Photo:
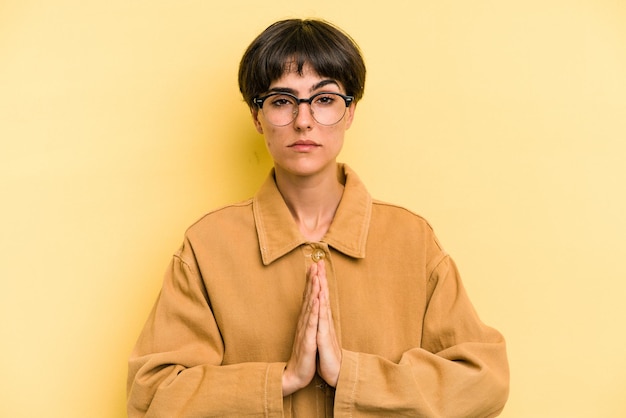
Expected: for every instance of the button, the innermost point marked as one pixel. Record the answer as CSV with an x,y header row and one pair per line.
x,y
317,255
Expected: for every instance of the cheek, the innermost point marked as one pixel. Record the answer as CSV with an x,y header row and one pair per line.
x,y
270,136
337,137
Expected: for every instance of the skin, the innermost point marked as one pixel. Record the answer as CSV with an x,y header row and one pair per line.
x,y
305,154
316,347
305,157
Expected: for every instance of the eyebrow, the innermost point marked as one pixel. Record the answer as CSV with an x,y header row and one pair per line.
x,y
317,86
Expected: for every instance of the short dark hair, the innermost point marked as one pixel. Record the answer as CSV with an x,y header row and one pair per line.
x,y
326,48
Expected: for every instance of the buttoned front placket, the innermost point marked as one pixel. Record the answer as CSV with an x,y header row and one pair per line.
x,y
314,252
279,236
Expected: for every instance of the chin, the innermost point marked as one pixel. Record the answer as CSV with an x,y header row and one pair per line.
x,y
305,168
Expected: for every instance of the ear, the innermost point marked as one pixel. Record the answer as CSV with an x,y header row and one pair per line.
x,y
255,119
350,115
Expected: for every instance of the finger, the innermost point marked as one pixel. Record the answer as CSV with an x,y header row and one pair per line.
x,y
321,267
310,274
307,321
321,274
326,337
329,349
325,314
305,344
301,366
324,291
307,295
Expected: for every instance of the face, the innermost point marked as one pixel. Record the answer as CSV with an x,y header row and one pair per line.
x,y
304,147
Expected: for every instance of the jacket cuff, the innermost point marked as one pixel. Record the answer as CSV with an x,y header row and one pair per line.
x,y
274,389
345,392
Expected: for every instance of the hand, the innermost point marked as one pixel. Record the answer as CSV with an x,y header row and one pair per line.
x,y
301,366
328,346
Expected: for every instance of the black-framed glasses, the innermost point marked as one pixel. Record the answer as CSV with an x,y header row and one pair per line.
x,y
280,109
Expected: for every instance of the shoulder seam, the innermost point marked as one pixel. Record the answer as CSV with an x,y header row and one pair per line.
x,y
418,216
393,205
243,203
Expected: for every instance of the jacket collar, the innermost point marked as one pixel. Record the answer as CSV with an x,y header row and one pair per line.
x,y
278,233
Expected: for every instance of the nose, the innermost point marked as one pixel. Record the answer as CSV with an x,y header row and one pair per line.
x,y
304,117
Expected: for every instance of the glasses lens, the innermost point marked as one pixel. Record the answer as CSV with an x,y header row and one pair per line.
x,y
328,108
280,109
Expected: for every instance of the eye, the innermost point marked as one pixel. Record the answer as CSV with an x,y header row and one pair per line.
x,y
325,99
281,101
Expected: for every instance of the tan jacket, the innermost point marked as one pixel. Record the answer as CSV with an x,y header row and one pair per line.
x,y
221,331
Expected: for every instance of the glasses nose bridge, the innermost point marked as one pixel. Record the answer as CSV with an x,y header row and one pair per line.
x,y
299,102
308,100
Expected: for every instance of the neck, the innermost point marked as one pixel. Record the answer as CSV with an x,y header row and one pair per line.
x,y
312,200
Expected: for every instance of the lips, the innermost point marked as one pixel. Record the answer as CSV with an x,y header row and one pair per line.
x,y
304,146
304,143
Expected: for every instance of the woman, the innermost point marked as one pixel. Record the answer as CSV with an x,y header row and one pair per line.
x,y
312,299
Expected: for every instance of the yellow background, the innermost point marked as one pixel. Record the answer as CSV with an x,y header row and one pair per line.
x,y
502,122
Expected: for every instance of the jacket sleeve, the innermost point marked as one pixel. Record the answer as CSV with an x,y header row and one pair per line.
x,y
175,368
460,370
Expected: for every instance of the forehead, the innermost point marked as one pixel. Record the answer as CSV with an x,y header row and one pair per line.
x,y
306,80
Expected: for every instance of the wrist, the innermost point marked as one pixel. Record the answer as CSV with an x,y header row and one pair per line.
x,y
289,383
